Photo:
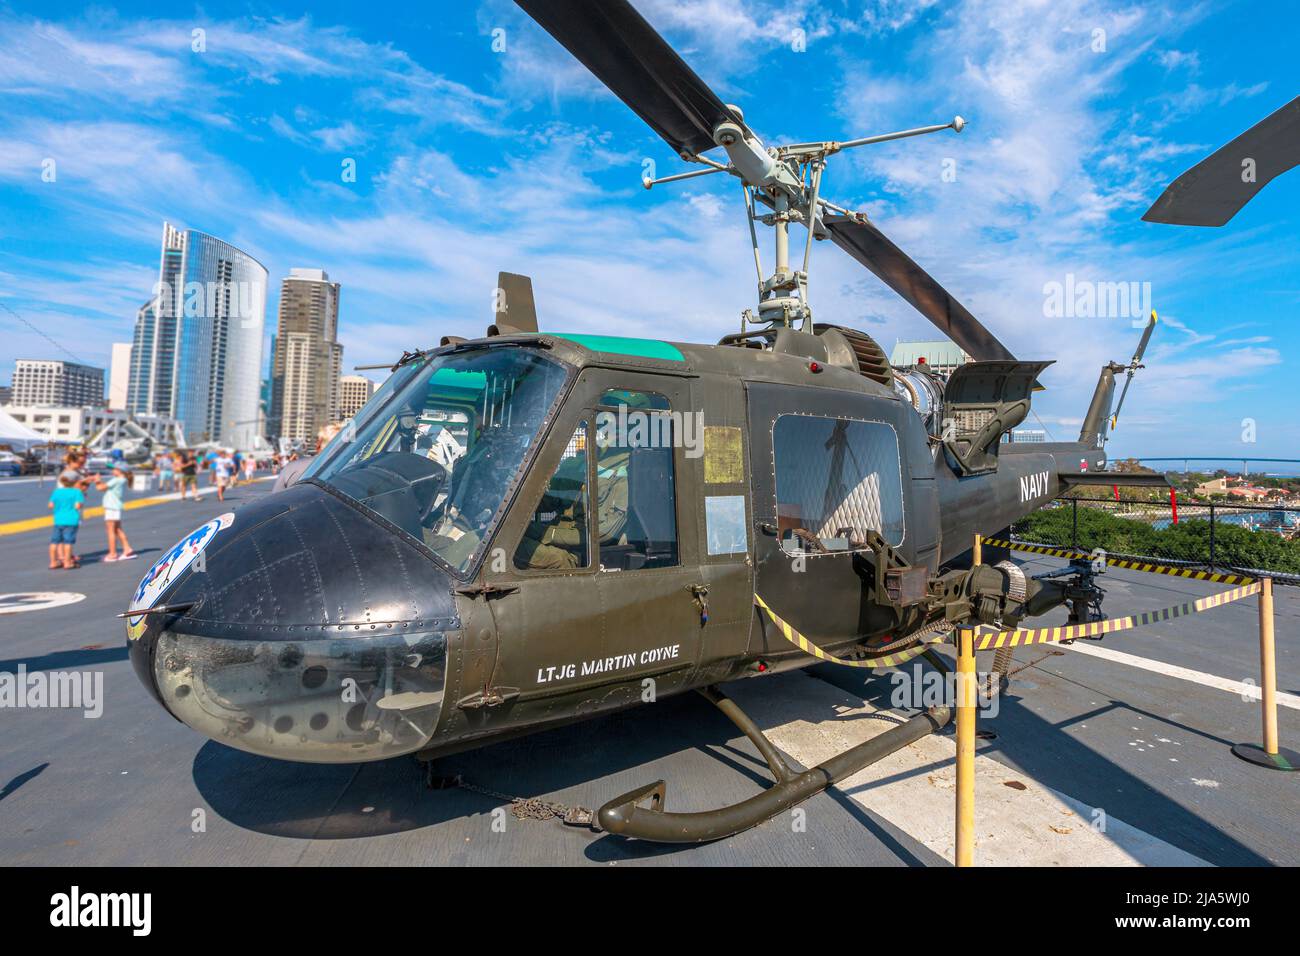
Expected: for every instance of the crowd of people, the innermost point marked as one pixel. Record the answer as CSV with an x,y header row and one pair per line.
x,y
176,472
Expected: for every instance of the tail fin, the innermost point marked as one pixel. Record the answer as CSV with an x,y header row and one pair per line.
x,y
1097,421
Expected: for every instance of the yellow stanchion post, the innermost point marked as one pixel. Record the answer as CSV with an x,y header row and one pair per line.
x,y
977,556
964,852
1268,665
1270,755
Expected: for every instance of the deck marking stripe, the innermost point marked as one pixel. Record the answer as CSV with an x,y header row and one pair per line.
x,y
46,521
1018,823
1240,688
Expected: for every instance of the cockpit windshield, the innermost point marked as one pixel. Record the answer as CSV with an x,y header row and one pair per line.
x,y
438,458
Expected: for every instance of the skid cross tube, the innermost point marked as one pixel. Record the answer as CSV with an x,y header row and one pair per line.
x,y
626,816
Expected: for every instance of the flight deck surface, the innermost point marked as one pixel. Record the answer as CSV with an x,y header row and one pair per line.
x,y
1137,726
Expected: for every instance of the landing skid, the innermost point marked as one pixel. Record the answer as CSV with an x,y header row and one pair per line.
x,y
627,817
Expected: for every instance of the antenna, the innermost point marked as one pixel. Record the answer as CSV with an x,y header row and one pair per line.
x,y
515,309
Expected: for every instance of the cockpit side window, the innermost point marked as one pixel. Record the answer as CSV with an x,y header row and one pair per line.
x,y
616,398
635,497
557,537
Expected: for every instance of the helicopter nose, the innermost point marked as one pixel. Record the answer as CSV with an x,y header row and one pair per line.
x,y
298,628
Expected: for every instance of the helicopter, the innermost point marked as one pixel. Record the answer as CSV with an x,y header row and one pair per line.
x,y
123,441
534,528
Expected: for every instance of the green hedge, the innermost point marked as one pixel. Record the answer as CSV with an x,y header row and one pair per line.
x,y
1189,540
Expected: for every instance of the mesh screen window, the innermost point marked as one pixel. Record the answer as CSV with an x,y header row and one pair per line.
x,y
837,475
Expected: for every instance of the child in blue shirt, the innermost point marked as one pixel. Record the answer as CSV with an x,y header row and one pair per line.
x,y
65,502
114,491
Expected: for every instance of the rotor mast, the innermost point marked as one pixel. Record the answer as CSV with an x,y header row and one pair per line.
x,y
787,180
639,66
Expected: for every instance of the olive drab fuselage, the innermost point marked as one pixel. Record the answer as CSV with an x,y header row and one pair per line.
x,y
519,647
527,640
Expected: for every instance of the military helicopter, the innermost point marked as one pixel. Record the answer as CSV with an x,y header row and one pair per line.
x,y
533,528
122,441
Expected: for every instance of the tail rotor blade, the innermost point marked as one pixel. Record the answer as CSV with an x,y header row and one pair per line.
x,y
871,247
1146,337
1114,416
1134,365
625,53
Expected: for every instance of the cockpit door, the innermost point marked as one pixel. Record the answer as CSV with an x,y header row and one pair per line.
x,y
594,551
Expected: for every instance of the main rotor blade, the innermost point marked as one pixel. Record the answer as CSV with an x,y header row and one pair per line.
x,y
1215,189
871,247
625,53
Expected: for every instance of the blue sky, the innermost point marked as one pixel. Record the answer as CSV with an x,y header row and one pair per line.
x,y
469,161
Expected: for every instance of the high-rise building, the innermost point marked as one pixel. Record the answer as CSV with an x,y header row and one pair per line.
x,y
308,357
54,382
197,352
140,384
354,391
119,375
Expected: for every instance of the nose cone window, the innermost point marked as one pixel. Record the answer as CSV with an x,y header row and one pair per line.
x,y
361,697
439,458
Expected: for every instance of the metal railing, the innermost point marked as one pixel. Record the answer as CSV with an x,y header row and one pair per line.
x,y
1253,539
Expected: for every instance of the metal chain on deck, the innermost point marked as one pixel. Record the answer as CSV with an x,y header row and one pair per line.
x,y
531,808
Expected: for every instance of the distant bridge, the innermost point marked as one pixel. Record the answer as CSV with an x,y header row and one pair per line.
x,y
1244,460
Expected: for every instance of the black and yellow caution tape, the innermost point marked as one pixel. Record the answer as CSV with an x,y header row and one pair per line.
x,y
1020,637
808,647
991,640
1193,573
1034,548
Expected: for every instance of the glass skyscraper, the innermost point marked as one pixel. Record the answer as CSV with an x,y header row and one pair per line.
x,y
139,400
197,353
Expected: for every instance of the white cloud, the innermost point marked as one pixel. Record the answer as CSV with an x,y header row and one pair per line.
x,y
45,60
153,64
1179,59
1046,170
727,42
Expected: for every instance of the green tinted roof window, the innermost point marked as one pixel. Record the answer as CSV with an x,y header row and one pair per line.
x,y
639,348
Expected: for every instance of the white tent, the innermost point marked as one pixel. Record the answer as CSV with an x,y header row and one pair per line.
x,y
17,435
